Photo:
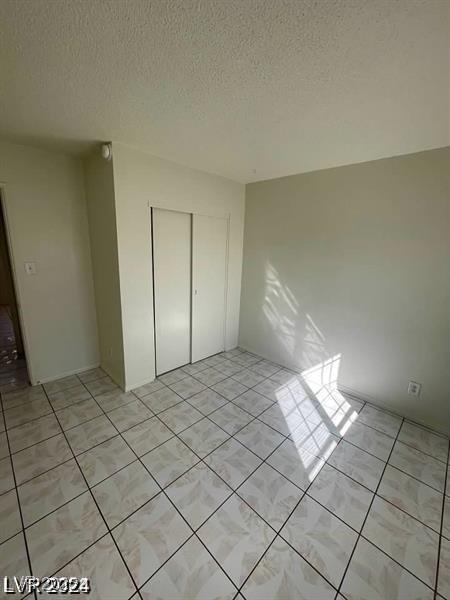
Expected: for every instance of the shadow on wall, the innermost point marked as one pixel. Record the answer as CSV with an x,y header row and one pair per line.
x,y
314,410
300,338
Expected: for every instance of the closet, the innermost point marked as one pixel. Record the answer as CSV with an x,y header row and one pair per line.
x,y
189,286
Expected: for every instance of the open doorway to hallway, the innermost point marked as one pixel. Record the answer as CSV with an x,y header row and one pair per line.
x,y
13,368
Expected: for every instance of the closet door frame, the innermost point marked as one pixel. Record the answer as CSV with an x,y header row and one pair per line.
x,y
183,209
225,291
154,286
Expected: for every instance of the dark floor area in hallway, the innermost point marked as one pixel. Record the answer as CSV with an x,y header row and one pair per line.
x,y
13,368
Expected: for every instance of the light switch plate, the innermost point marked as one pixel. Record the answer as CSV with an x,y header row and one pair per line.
x,y
414,388
30,268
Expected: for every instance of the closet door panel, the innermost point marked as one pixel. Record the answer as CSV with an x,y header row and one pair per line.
x,y
172,288
209,275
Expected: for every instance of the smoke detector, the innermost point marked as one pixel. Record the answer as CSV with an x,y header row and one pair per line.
x,y
107,151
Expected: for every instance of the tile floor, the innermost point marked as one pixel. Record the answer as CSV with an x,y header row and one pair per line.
x,y
229,478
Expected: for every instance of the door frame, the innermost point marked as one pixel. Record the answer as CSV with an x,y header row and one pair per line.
x,y
227,248
17,293
190,214
213,213
218,214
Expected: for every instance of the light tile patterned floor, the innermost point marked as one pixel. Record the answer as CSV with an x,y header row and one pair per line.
x,y
228,478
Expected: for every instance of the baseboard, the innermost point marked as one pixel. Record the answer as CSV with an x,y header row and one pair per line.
x,y
65,374
113,377
365,398
291,367
384,406
129,388
359,396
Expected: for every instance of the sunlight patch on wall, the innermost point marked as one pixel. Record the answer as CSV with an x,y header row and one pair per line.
x,y
295,329
314,411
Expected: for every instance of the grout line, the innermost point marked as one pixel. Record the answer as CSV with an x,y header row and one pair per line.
x,y
36,443
89,490
33,420
194,534
28,402
436,585
278,535
422,452
49,513
382,497
234,492
162,490
49,396
383,409
163,564
187,400
394,561
64,389
19,506
379,496
402,441
200,460
43,472
368,511
215,559
102,414
417,479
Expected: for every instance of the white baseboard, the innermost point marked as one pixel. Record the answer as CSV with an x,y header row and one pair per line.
x,y
128,388
113,377
65,374
77,372
360,396
291,367
385,406
365,398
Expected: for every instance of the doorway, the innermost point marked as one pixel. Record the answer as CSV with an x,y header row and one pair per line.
x,y
13,368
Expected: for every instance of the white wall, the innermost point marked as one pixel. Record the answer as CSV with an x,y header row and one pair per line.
x,y
99,184
141,180
46,212
355,261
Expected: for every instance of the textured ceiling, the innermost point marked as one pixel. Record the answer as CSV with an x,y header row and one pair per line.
x,y
249,89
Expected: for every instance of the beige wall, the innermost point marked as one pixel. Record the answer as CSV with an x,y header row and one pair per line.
x,y
355,261
140,181
46,212
99,184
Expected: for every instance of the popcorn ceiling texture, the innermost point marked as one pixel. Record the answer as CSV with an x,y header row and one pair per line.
x,y
247,89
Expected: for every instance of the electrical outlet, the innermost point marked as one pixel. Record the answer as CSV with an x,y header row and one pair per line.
x,y
414,388
30,268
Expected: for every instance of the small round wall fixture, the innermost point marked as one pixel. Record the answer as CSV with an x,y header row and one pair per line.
x,y
107,151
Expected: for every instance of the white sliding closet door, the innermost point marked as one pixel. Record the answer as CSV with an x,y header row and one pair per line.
x,y
209,271
172,288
